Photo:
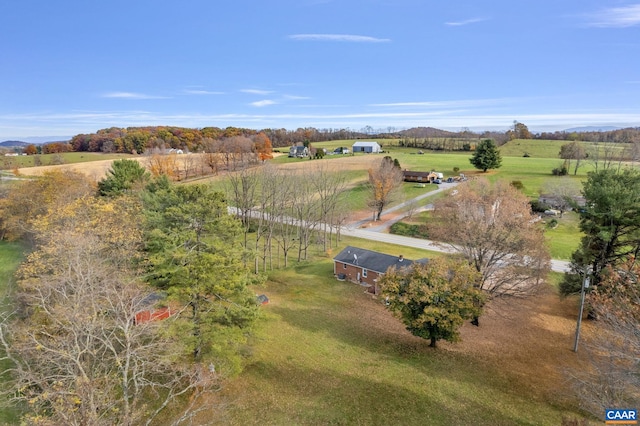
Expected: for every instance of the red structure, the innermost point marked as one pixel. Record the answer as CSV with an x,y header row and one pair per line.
x,y
152,315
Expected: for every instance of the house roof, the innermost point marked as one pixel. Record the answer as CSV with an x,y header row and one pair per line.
x,y
366,143
371,260
414,173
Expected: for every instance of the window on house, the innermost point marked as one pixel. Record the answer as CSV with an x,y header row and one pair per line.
x,y
364,273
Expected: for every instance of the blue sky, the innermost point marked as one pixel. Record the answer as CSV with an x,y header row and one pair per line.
x,y
70,66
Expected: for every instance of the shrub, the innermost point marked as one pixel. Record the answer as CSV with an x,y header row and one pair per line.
x,y
456,170
560,171
517,185
408,230
538,207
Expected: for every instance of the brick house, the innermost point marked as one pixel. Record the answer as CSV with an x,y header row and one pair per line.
x,y
364,267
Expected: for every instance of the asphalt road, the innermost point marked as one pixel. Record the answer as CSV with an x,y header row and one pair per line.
x,y
377,233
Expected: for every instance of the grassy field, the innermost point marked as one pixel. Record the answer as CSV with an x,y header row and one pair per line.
x,y
66,157
534,172
327,353
11,255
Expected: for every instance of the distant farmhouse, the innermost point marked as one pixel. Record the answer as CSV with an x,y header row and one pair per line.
x,y
364,146
365,266
298,152
414,176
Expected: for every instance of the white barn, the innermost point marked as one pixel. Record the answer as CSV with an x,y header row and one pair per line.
x,y
366,146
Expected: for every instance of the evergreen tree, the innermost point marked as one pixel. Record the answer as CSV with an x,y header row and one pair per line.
x,y
194,253
610,221
123,176
487,156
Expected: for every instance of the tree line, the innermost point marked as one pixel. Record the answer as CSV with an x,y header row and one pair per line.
x,y
76,346
141,139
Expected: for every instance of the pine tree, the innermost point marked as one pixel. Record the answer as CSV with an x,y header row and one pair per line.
x,y
486,156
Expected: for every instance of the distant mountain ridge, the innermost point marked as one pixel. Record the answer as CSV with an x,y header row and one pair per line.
x,y
592,129
14,144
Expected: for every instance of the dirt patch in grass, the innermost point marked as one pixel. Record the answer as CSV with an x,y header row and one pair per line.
x,y
530,340
95,170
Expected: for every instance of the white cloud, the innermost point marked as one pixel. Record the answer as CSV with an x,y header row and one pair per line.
x,y
295,97
339,37
256,91
202,92
131,95
617,17
263,103
75,122
446,104
464,22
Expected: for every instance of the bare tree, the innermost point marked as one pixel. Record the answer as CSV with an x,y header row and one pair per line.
x,y
212,157
328,186
284,213
384,180
237,152
610,377
604,154
242,190
77,356
564,191
493,227
573,151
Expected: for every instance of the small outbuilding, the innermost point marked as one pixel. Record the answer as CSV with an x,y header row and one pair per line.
x,y
366,146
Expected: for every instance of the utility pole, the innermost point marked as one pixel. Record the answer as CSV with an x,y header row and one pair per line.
x,y
585,286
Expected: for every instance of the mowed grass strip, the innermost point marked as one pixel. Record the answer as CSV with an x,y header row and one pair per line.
x,y
327,353
11,254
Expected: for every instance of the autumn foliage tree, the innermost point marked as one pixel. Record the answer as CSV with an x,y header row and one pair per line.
x,y
75,355
263,146
493,227
29,199
434,300
384,180
30,150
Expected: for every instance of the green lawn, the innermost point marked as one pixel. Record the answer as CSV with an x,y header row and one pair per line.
x,y
564,239
327,353
11,254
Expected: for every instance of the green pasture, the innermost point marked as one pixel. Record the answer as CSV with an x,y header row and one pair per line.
x,y
63,158
322,356
11,254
